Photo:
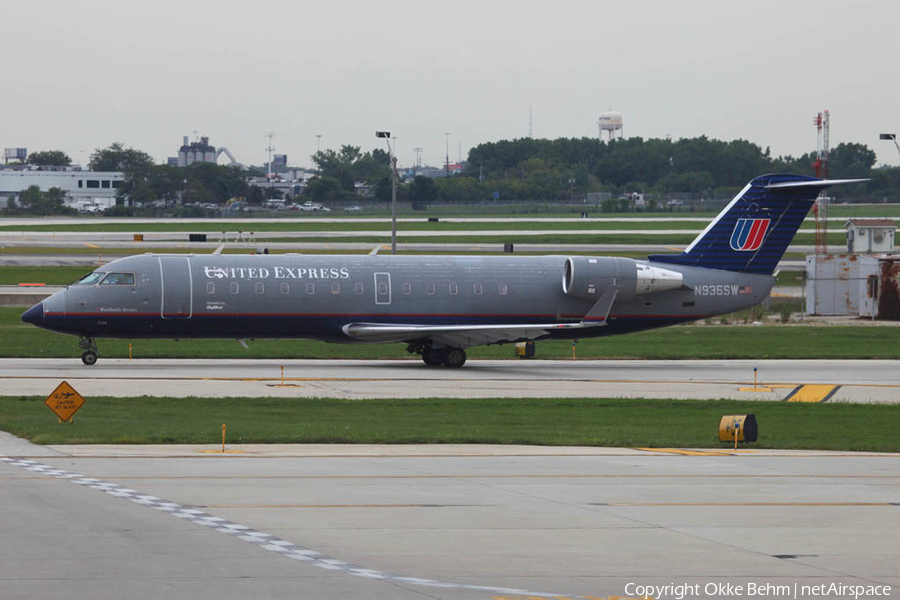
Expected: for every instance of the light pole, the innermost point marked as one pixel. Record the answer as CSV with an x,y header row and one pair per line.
x,y
387,138
447,160
318,142
892,137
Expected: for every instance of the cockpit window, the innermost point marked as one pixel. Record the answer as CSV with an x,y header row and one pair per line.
x,y
118,279
91,278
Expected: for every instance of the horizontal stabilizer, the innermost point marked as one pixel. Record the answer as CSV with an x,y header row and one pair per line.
x,y
816,183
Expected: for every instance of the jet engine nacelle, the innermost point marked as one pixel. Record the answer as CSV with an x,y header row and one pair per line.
x,y
588,277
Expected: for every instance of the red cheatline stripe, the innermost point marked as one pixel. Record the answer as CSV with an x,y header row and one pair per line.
x,y
756,234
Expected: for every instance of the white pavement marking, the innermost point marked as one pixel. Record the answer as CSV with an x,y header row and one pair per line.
x,y
263,540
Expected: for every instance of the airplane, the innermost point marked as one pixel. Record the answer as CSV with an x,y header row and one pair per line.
x,y
439,305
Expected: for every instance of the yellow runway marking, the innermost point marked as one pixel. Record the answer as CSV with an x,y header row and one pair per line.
x,y
755,389
684,452
220,452
91,245
444,379
813,393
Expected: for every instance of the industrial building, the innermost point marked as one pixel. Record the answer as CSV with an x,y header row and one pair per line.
x,y
200,151
96,187
870,235
863,282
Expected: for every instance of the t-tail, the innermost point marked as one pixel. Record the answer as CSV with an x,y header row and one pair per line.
x,y
752,233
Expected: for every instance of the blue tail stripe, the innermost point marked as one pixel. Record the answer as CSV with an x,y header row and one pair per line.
x,y
721,245
742,233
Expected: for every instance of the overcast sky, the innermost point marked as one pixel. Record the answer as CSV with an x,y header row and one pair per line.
x,y
81,75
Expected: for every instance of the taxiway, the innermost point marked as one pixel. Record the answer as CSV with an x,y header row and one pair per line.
x,y
833,380
480,522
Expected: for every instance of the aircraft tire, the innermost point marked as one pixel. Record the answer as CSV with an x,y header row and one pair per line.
x,y
433,358
454,358
89,358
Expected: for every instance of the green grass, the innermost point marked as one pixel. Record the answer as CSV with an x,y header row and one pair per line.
x,y
18,339
48,275
552,421
790,278
680,240
217,227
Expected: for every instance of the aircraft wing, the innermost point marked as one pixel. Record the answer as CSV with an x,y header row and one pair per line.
x,y
463,336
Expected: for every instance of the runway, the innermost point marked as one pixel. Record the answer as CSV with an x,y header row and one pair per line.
x,y
479,522
777,380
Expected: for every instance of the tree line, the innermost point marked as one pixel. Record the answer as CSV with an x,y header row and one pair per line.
x,y
508,170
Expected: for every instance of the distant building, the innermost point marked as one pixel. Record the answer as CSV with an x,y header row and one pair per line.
x,y
870,235
95,186
195,152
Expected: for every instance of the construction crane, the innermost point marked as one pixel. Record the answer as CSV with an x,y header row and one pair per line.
x,y
820,165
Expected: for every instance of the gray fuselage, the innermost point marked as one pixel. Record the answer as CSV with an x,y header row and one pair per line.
x,y
315,296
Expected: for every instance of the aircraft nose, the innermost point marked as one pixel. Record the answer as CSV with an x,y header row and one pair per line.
x,y
35,314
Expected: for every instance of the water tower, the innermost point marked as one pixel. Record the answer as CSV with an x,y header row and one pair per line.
x,y
611,122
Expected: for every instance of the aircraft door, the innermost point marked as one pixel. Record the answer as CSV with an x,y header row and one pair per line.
x,y
382,288
177,289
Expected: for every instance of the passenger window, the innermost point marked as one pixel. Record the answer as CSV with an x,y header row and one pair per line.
x,y
335,288
502,289
429,289
210,287
260,288
477,289
285,287
407,288
310,288
234,287
453,289
360,288
118,279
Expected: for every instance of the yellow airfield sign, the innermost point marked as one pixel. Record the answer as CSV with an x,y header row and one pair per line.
x,y
64,401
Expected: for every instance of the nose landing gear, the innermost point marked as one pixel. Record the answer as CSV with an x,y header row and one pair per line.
x,y
89,357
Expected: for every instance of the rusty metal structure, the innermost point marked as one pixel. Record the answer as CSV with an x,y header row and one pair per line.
x,y
864,285
820,166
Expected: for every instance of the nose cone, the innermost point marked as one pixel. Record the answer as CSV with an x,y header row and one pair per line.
x,y
35,314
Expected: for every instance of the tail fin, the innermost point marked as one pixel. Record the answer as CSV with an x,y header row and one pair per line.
x,y
754,230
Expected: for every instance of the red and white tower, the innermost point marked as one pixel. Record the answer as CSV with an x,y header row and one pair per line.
x,y
820,165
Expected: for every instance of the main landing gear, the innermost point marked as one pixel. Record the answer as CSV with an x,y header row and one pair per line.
x,y
90,350
435,357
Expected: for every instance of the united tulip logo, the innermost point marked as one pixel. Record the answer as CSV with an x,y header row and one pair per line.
x,y
749,234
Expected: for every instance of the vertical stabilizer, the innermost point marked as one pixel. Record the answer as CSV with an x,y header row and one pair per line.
x,y
752,233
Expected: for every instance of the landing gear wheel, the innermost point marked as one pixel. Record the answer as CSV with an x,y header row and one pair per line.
x,y
454,357
87,344
432,357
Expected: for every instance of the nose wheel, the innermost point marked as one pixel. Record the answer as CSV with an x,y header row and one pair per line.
x,y
89,357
